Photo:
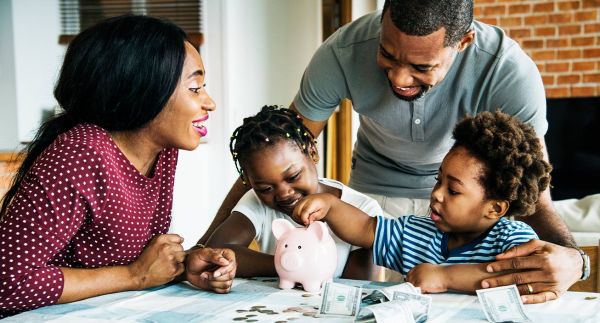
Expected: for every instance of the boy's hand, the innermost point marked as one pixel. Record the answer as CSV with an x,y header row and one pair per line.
x,y
313,208
431,278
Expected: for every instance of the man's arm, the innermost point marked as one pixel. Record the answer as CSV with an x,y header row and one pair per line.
x,y
316,127
545,221
233,197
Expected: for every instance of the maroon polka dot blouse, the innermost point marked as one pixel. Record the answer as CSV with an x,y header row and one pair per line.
x,y
81,205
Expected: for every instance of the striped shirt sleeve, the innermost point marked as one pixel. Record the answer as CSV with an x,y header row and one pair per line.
x,y
521,233
387,247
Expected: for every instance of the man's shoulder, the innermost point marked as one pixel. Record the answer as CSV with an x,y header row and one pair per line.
x,y
492,41
361,30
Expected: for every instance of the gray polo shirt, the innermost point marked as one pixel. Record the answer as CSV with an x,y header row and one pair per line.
x,y
400,145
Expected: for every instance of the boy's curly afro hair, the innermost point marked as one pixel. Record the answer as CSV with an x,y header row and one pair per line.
x,y
514,166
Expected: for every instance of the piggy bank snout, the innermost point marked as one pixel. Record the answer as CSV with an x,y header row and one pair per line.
x,y
291,261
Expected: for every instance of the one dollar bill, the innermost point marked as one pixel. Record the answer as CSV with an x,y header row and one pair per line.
x,y
502,304
340,300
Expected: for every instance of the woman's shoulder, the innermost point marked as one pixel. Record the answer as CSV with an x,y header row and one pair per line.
x,y
82,137
84,144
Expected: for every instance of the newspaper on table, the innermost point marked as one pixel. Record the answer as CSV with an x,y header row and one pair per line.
x,y
502,304
398,303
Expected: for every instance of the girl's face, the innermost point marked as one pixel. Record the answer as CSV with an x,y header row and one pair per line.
x,y
181,123
281,175
458,202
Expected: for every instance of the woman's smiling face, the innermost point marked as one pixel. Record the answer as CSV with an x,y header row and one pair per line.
x,y
181,123
281,175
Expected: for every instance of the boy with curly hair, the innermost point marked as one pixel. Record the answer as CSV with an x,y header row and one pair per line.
x,y
494,169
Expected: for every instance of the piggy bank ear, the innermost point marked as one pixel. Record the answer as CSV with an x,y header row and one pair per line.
x,y
281,226
320,229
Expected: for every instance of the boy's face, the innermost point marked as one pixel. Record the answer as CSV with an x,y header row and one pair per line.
x,y
458,201
281,175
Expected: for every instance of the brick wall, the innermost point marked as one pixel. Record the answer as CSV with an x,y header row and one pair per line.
x,y
562,37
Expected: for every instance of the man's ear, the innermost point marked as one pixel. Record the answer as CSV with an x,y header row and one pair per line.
x,y
313,152
497,209
467,39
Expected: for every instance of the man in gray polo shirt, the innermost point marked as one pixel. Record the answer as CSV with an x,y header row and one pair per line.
x,y
411,76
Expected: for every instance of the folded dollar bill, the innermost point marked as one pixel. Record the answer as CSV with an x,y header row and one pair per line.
x,y
502,304
419,304
388,312
398,303
340,300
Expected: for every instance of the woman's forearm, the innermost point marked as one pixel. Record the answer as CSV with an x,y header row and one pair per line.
x,y
85,283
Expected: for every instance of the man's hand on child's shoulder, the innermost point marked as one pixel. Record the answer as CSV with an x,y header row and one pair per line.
x,y
541,270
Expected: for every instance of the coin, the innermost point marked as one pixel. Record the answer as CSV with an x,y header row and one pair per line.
x,y
306,295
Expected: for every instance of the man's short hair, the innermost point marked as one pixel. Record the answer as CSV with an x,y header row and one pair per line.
x,y
423,17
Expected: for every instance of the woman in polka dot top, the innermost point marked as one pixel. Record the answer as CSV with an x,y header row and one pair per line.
x,y
90,207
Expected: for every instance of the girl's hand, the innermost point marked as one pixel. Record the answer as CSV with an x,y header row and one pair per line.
x,y
160,262
313,208
211,269
431,278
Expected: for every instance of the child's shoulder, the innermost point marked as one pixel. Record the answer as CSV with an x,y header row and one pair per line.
x,y
508,231
512,225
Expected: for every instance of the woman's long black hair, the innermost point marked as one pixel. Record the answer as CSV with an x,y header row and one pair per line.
x,y
118,74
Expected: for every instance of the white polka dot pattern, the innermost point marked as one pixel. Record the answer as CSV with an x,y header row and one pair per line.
x,y
81,205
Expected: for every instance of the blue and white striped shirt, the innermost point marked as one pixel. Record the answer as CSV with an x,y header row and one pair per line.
x,y
400,244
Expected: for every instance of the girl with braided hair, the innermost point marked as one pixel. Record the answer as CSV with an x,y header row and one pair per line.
x,y
275,154
495,169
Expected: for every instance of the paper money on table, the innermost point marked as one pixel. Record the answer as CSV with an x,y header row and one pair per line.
x,y
340,300
388,312
417,303
502,304
404,287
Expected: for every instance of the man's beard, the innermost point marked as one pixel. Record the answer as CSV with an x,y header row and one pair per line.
x,y
424,90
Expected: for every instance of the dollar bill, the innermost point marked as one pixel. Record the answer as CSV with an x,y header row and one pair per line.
x,y
388,312
404,287
417,303
340,300
502,304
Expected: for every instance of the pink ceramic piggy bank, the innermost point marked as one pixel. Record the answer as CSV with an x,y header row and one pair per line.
x,y
304,255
